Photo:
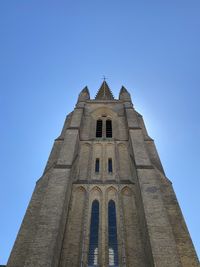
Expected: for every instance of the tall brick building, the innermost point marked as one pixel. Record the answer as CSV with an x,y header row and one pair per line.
x,y
104,199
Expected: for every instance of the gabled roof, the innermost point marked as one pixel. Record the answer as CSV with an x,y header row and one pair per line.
x,y
104,92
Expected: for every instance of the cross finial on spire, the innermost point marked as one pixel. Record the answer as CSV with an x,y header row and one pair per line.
x,y
104,78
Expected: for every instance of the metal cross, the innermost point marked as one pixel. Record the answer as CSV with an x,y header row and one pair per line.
x,y
104,78
104,89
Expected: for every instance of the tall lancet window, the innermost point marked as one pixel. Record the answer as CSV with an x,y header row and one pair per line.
x,y
97,165
109,128
99,128
112,235
110,168
94,235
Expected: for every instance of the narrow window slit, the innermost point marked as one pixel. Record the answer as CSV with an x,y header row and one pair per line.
x,y
110,167
97,165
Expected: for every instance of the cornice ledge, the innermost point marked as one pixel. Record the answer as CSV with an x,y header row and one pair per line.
x,y
144,167
103,182
59,139
72,128
149,139
62,166
134,128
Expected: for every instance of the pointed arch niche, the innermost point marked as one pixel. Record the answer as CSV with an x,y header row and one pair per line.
x,y
73,230
133,246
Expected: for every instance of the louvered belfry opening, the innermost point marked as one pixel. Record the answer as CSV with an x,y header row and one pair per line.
x,y
109,128
99,128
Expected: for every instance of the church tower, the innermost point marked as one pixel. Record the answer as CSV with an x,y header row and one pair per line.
x,y
103,199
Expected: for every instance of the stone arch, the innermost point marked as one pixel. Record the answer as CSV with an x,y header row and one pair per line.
x,y
111,188
87,143
126,191
80,189
122,145
95,193
96,188
133,244
111,193
103,112
109,117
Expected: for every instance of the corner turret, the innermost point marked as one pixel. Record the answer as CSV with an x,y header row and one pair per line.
x,y
124,94
84,95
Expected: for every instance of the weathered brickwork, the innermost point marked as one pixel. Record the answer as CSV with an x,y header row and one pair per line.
x,y
144,228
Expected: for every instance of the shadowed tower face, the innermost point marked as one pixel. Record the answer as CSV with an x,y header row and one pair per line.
x,y
103,199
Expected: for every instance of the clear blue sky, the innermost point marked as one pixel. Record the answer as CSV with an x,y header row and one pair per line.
x,y
49,50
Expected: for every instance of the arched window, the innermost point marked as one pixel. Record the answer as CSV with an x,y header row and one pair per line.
x,y
97,165
110,168
94,235
99,128
112,235
109,128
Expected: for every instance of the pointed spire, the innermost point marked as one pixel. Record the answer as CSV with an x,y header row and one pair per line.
x,y
104,92
84,95
124,94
